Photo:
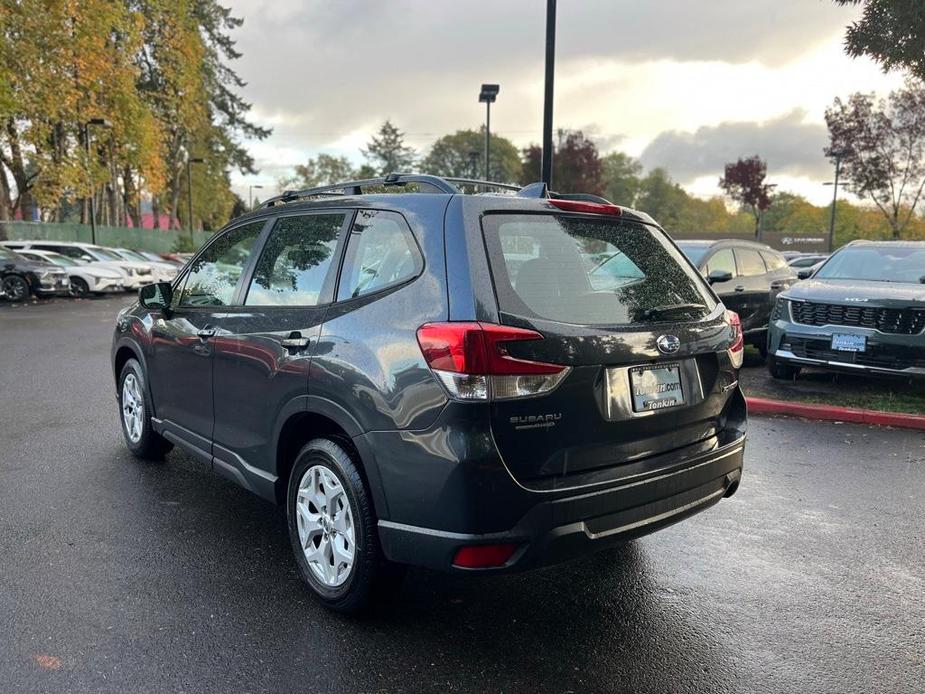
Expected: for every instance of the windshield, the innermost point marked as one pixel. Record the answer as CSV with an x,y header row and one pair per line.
x,y
132,255
876,264
104,254
694,252
7,254
590,271
59,259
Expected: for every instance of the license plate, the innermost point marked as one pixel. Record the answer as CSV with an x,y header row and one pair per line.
x,y
656,387
849,343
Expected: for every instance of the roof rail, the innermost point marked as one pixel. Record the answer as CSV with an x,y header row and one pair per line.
x,y
439,185
483,184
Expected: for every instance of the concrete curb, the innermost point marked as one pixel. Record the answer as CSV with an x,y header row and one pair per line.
x,y
830,413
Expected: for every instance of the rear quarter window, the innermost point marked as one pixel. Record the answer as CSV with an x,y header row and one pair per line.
x,y
590,271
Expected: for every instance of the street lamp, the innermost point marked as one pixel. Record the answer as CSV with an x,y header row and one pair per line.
x,y
102,123
250,195
487,96
547,99
770,188
189,192
838,154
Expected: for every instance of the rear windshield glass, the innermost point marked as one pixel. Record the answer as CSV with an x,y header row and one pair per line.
x,y
590,271
877,264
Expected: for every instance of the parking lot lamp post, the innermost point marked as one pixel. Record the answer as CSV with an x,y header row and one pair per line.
x,y
250,196
487,96
102,123
546,175
189,192
838,154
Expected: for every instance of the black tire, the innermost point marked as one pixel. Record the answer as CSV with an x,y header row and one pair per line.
x,y
149,445
16,288
371,574
79,288
784,372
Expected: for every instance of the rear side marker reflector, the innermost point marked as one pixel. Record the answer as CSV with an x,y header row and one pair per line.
x,y
484,556
472,362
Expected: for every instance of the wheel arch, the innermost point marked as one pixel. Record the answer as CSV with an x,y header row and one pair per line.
x,y
313,417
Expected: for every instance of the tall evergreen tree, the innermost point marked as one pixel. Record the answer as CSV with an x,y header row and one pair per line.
x,y
387,152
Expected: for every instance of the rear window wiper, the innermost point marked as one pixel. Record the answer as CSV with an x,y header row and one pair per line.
x,y
656,311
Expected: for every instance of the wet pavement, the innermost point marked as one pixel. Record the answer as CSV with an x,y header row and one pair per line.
x,y
117,575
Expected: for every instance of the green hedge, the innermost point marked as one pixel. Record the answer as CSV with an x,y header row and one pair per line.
x,y
154,240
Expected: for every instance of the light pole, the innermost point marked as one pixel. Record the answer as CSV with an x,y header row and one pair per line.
x,y
770,187
102,123
547,100
487,96
189,192
250,196
838,154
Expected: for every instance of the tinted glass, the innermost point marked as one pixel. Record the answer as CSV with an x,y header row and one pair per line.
x,y
295,261
749,262
879,264
69,251
774,261
105,254
590,271
723,261
214,275
381,252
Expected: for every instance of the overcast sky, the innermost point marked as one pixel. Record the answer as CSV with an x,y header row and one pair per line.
x,y
684,84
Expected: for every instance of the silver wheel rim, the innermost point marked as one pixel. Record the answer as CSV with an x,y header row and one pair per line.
x,y
325,523
133,408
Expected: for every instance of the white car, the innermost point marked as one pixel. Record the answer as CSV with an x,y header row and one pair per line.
x,y
137,274
86,278
163,270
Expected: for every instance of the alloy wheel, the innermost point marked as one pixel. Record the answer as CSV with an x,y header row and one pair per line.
x,y
325,524
16,288
133,408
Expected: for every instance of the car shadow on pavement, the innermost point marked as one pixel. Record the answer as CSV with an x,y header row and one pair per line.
x,y
602,617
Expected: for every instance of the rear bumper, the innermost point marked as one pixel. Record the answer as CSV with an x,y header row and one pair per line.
x,y
564,527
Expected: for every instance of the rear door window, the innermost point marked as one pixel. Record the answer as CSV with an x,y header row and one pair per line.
x,y
295,261
590,271
774,261
381,253
750,263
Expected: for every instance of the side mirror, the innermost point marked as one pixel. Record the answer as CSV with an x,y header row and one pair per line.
x,y
719,276
805,273
157,296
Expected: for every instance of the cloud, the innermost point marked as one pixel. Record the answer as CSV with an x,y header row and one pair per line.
x,y
790,146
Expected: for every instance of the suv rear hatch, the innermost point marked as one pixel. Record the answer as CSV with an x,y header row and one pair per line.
x,y
644,340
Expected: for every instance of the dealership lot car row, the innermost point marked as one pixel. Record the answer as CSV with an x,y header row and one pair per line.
x,y
48,268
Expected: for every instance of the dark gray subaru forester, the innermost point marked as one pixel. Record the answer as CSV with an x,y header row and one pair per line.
x,y
475,382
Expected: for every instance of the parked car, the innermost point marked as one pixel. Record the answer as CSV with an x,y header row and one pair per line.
x,y
21,277
86,278
805,260
372,363
136,274
157,258
862,312
747,276
163,270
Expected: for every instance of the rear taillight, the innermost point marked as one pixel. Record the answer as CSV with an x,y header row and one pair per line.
x,y
737,340
472,361
586,207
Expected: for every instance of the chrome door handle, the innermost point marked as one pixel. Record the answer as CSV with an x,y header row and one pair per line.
x,y
740,288
206,333
295,341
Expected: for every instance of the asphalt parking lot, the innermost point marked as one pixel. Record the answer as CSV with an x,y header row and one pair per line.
x,y
116,575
